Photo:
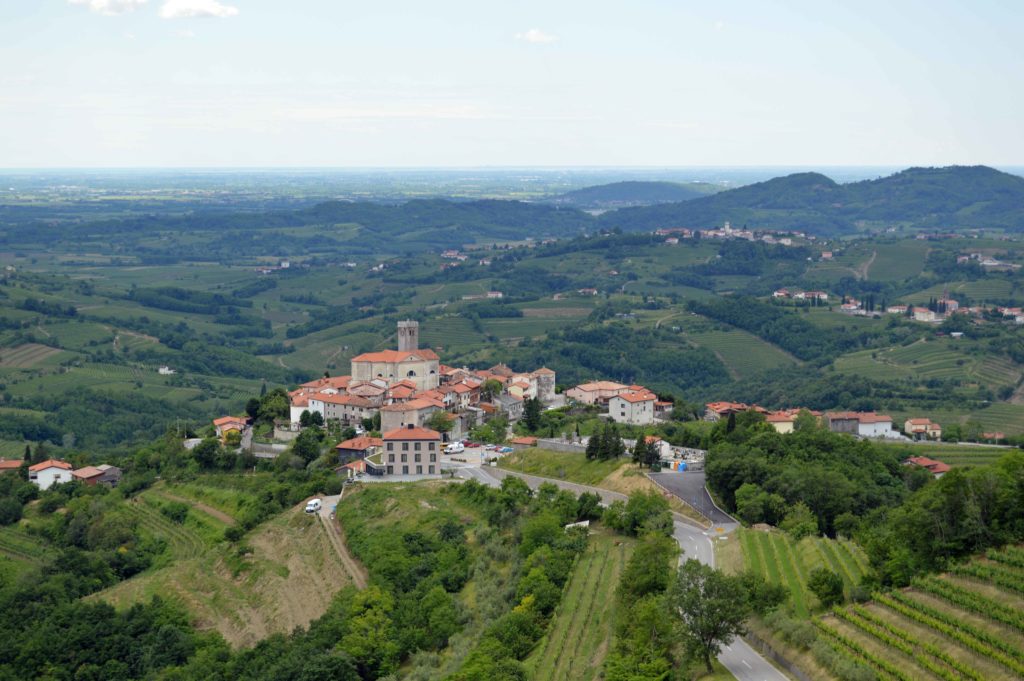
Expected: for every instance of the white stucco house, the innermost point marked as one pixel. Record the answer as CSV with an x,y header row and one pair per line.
x,y
635,407
48,473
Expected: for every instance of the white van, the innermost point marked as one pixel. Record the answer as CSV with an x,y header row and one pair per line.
x,y
313,506
455,448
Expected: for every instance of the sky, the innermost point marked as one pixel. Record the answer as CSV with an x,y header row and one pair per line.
x,y
452,83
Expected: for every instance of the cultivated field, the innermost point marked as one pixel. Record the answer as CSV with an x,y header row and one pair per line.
x,y
27,356
953,454
780,560
964,625
581,630
932,359
897,261
742,353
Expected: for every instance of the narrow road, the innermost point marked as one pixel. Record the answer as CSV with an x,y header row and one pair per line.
x,y
337,538
742,661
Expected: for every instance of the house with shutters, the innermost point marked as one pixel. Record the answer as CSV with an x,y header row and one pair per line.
x,y
409,452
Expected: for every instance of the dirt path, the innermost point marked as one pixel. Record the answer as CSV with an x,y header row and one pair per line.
x,y
281,362
208,510
657,324
337,538
862,270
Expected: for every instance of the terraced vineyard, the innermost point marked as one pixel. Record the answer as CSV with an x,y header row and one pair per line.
x,y
934,359
743,353
981,291
953,454
965,625
780,560
581,630
19,545
898,261
28,356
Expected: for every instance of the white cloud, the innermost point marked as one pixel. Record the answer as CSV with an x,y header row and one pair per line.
x,y
186,34
110,7
185,9
537,36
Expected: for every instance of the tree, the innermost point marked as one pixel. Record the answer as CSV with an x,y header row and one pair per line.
x,y
252,406
711,607
827,586
28,452
233,438
490,388
304,418
640,451
593,450
531,414
307,445
439,421
800,522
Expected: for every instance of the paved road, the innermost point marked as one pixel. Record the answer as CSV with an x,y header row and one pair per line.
x,y
739,658
689,487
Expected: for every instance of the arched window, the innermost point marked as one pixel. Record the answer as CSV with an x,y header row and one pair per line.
x,y
411,374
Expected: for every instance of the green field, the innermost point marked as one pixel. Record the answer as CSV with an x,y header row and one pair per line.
x,y
998,417
898,261
932,359
966,625
742,353
560,465
581,630
780,560
979,291
953,454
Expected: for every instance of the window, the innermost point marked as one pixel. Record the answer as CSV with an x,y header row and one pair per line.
x,y
416,457
405,470
416,446
411,374
433,457
430,469
391,458
405,457
405,446
419,470
391,470
391,446
430,446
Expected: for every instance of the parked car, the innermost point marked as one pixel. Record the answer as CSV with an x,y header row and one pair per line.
x,y
506,450
454,448
314,506
469,444
490,448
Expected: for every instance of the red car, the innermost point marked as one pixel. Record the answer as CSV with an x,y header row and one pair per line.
x,y
468,444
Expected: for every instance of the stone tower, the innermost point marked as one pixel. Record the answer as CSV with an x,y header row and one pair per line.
x,y
408,335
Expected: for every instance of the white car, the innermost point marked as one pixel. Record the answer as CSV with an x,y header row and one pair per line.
x,y
314,506
455,448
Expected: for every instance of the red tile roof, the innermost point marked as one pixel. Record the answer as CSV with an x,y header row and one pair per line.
x,y
412,405
50,463
361,443
412,433
862,416
637,396
395,356
528,441
10,464
87,472
351,400
931,464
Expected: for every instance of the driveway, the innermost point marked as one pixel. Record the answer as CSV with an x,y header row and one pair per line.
x,y
742,661
689,486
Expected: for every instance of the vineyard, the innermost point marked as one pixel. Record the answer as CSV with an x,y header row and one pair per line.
x,y
780,560
581,630
968,624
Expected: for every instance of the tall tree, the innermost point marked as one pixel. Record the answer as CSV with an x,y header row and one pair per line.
x,y
531,414
640,450
711,606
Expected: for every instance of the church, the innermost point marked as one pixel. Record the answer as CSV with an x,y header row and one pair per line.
x,y
407,363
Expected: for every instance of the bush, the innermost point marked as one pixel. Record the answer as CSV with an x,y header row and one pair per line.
x,y
233,533
10,511
827,586
175,511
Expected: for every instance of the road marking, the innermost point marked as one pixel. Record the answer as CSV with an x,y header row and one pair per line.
x,y
746,663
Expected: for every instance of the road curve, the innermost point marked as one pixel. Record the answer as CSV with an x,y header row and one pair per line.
x,y
742,661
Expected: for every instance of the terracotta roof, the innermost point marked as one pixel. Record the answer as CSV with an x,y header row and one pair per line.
x,y
336,382
395,356
931,464
300,400
361,443
780,417
402,391
600,385
10,464
637,396
462,388
521,384
352,400
920,422
411,405
652,438
720,407
87,472
544,371
528,441
413,433
229,420
50,463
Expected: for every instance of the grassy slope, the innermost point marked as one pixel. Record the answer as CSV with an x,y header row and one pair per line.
x,y
932,359
287,580
580,633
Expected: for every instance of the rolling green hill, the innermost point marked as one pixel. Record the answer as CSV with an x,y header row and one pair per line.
x,y
933,198
633,193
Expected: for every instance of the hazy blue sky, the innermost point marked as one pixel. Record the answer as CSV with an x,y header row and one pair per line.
x,y
555,82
